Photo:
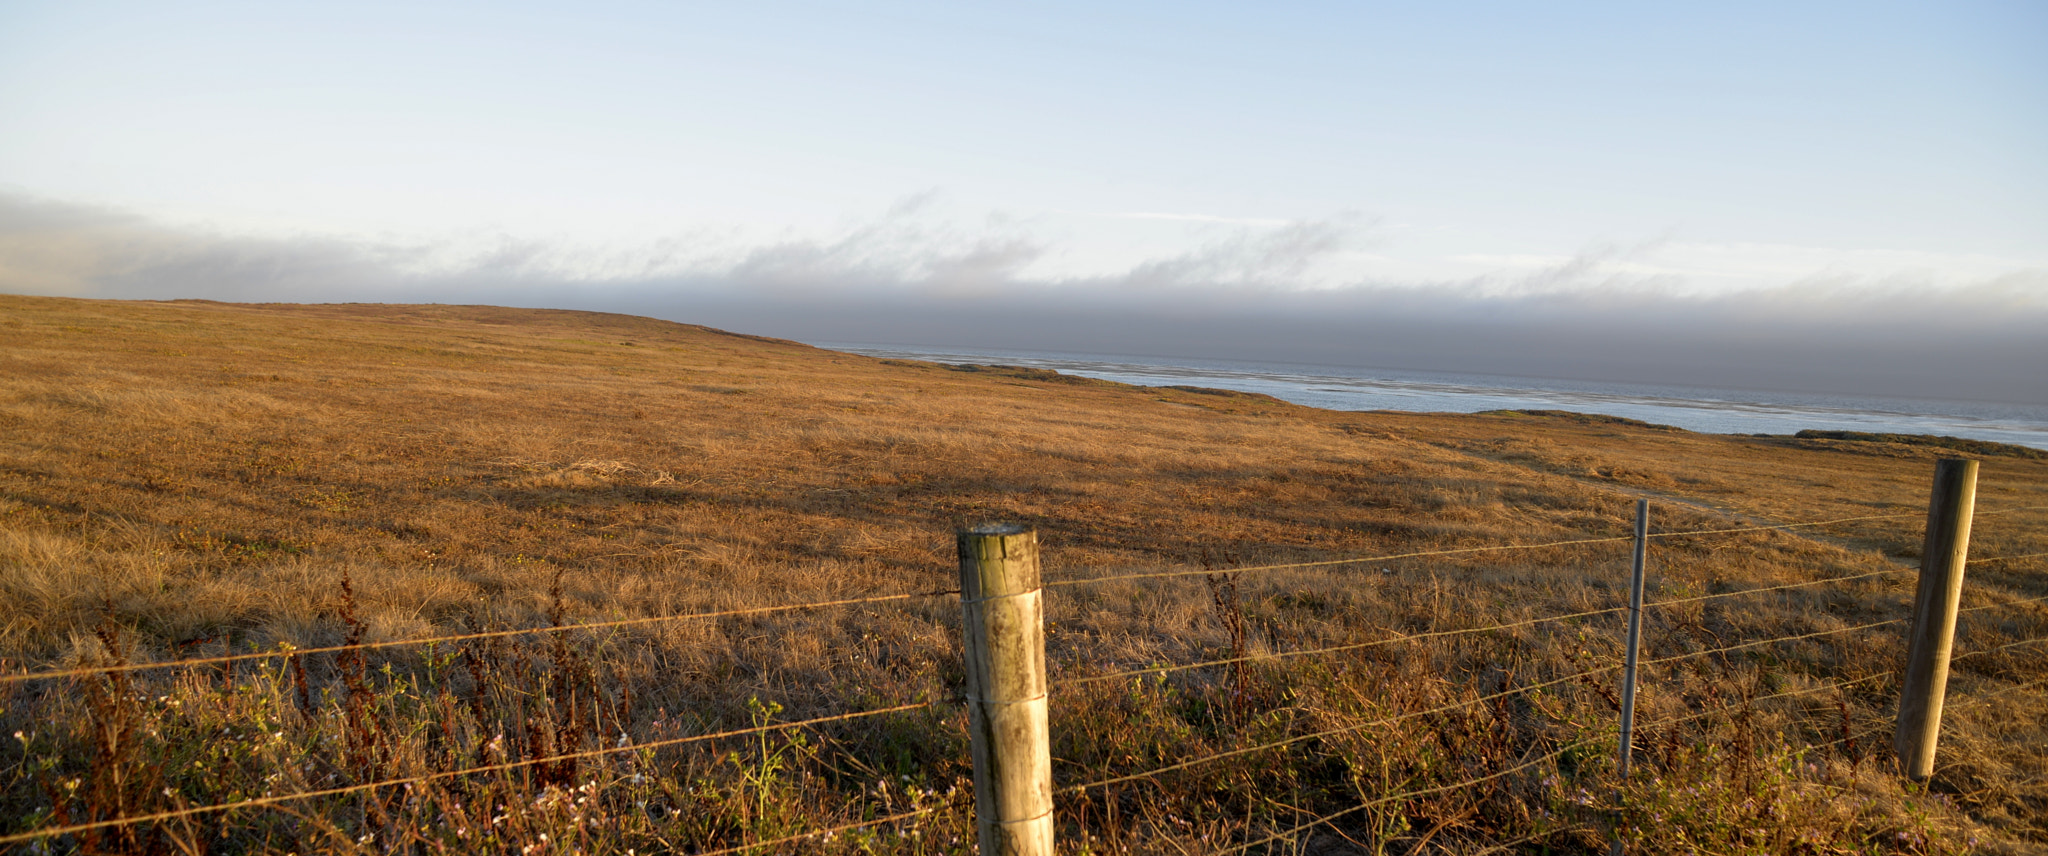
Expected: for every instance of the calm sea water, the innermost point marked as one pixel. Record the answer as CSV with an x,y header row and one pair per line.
x,y
1706,409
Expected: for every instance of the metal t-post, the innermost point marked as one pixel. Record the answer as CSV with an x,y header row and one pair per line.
x,y
1635,635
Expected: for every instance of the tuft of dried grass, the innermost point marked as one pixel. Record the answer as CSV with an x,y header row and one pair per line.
x,y
188,479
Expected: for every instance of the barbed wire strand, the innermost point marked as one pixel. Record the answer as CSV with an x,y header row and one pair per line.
x,y
299,652
651,745
2021,602
1833,685
1464,550
2013,510
1773,640
1540,759
1548,756
1389,720
453,637
1872,731
1851,578
1154,670
279,799
2006,558
1984,651
1231,753
1408,637
1509,845
630,622
834,830
1897,516
1154,575
658,744
1777,526
1888,673
2011,689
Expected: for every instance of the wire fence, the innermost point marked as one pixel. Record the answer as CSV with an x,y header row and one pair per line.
x,y
288,652
285,652
1290,834
1294,833
260,802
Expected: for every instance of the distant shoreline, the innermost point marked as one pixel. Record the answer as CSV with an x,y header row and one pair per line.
x,y
1702,409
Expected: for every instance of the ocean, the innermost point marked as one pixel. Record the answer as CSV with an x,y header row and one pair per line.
x,y
1695,408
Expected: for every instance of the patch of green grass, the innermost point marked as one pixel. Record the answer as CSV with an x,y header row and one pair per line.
x,y
1959,444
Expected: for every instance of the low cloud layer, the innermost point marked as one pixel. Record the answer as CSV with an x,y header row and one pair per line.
x,y
1285,292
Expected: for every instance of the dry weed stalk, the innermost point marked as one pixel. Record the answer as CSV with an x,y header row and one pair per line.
x,y
203,473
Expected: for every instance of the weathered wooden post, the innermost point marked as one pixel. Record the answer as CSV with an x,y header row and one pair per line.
x,y
1635,636
1004,630
1933,634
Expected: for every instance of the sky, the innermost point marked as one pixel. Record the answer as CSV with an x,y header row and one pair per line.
x,y
1826,197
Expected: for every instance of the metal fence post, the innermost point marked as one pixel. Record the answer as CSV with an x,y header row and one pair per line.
x,y
1635,635
1004,631
1934,616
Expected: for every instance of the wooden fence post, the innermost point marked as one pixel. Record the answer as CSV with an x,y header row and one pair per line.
x,y
1934,616
1004,630
1635,635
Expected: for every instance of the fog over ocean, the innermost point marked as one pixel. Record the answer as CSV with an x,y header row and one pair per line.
x,y
1695,408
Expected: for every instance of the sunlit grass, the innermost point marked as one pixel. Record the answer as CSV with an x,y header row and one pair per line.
x,y
181,480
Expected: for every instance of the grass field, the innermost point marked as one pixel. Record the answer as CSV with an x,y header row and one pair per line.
x,y
193,479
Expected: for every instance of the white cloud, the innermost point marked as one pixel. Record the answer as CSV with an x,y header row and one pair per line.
x,y
1754,314
1196,218
918,246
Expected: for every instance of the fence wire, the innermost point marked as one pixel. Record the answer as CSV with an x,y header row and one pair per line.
x,y
1809,583
1988,651
260,802
1661,723
2009,690
288,653
1389,720
2021,602
833,830
1324,563
280,799
1769,527
1231,753
2006,558
1832,685
1407,795
1411,637
1533,762
1405,637
1771,641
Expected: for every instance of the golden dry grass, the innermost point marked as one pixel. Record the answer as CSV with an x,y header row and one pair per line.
x,y
182,479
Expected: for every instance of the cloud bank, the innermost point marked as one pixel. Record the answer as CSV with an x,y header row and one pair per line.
x,y
1302,292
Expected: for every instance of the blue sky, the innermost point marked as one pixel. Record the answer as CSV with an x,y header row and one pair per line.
x,y
1831,159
